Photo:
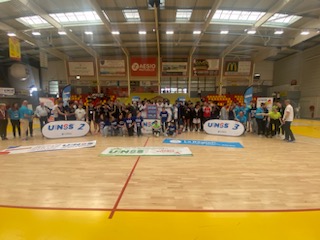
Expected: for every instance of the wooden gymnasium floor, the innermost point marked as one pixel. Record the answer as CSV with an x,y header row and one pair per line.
x,y
270,189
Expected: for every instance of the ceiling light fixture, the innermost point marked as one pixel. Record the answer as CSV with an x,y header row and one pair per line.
x,y
142,32
62,33
115,32
88,33
224,31
36,33
169,32
305,32
197,32
251,31
11,34
278,32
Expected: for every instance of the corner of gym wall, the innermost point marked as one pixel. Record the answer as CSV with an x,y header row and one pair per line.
x,y
303,67
266,69
56,71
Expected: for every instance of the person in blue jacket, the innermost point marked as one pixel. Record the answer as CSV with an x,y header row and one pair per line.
x,y
14,119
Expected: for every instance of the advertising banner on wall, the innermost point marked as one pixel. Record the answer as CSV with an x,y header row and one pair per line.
x,y
143,67
174,68
266,100
7,91
205,67
81,69
237,68
14,48
112,68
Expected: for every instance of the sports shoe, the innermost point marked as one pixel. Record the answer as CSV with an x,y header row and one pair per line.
x,y
292,141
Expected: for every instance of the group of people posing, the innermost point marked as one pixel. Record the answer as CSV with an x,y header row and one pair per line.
x,y
116,118
21,119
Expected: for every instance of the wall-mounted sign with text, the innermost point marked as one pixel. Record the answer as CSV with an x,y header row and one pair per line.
x,y
205,67
143,67
174,68
81,69
237,68
112,68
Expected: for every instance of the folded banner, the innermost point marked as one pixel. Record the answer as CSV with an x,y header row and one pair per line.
x,y
48,147
203,143
147,151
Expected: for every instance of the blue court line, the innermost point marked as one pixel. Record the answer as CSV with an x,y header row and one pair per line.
x,y
203,143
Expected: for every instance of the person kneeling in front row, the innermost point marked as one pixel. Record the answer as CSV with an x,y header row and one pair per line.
x,y
156,128
171,130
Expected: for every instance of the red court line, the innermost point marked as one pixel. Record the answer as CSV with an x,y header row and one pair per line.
x,y
126,184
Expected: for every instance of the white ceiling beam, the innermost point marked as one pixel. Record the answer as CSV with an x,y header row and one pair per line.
x,y
207,22
22,36
156,17
276,8
97,8
268,52
36,9
312,26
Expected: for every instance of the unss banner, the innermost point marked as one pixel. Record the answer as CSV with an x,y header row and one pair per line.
x,y
224,127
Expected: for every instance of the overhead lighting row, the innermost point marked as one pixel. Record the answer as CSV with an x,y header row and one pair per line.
x,y
222,32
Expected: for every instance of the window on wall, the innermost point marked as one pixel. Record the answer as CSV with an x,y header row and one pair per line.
x,y
174,85
54,88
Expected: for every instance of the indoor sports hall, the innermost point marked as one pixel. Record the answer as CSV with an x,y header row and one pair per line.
x,y
79,71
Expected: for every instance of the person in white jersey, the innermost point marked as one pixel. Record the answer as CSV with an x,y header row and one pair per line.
x,y
288,119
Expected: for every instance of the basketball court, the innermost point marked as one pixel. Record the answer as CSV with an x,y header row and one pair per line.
x,y
269,189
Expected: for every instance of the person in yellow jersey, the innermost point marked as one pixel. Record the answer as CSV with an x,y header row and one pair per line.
x,y
274,121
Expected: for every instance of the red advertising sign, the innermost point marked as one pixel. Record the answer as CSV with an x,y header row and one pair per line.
x,y
143,66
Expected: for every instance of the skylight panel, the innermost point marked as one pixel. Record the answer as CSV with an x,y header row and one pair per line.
x,y
76,17
183,14
33,21
237,16
281,19
131,15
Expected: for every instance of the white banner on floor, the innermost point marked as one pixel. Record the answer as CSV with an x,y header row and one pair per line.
x,y
48,147
147,151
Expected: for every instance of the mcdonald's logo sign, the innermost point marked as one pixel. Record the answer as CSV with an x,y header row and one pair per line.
x,y
231,66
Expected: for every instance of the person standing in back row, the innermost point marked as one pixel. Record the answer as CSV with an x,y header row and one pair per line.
x,y
14,119
288,119
3,121
24,114
42,113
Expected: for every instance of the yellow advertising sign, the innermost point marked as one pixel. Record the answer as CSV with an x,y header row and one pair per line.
x,y
232,67
14,48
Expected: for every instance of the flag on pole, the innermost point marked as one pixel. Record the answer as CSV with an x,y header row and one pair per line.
x,y
248,93
66,94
